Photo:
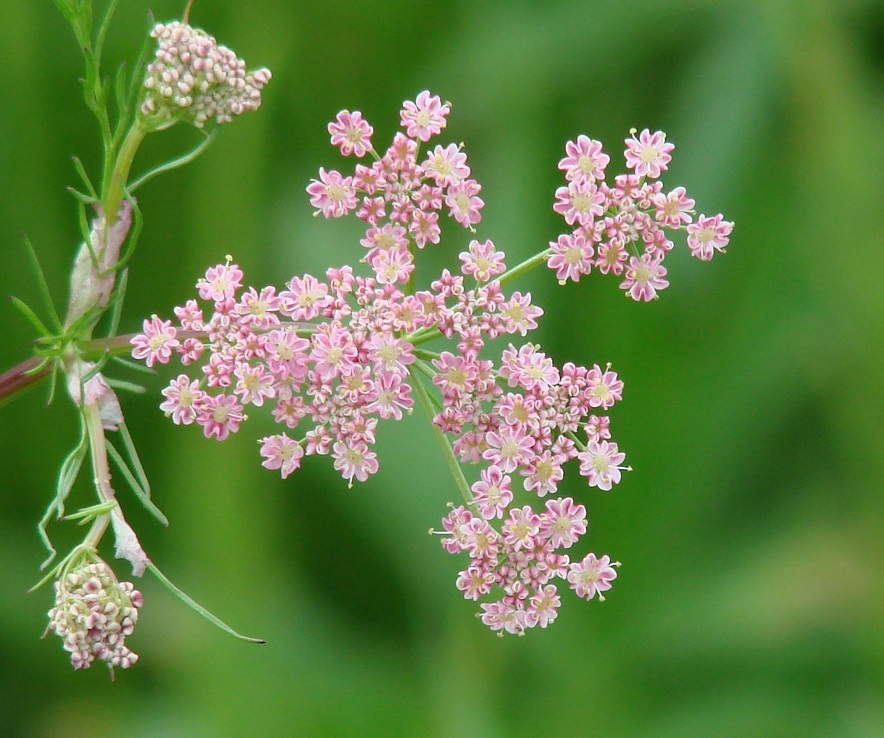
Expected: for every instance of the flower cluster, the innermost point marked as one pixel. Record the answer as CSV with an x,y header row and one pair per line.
x,y
525,423
93,614
332,356
193,78
401,194
521,560
620,227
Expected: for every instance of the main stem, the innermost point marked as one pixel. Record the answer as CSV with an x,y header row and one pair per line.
x,y
114,188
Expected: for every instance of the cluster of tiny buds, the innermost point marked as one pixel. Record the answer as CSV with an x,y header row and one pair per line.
x,y
93,614
193,78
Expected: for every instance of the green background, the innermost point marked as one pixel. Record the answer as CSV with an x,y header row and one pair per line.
x,y
751,598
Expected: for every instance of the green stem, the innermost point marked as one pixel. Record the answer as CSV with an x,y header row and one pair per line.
x,y
524,267
447,452
114,188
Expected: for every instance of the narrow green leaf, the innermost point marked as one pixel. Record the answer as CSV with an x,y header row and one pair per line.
x,y
31,316
143,494
81,170
88,514
123,386
102,30
134,233
134,365
67,475
124,113
174,163
132,453
81,196
190,602
116,303
43,285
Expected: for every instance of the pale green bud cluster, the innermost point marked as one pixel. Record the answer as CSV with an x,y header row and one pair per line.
x,y
93,614
195,79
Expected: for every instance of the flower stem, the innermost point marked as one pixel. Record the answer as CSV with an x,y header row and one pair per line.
x,y
524,267
447,452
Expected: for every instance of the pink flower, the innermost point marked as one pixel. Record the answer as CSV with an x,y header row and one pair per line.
x,y
517,410
528,368
603,387
447,165
425,117
584,160
392,396
600,464
304,299
502,616
428,197
475,582
254,384
332,194
644,277
390,353
183,398
480,539
708,235
331,356
351,133
281,452
491,494
611,257
648,154
520,528
571,257
220,415
673,209
259,308
333,351
221,282
464,203
519,315
454,376
355,460
399,159
424,228
156,343
384,238
453,524
563,522
287,354
544,605
543,474
190,316
368,179
597,427
580,202
393,266
508,449
592,576
482,261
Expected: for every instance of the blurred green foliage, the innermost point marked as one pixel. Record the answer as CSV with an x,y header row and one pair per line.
x,y
751,597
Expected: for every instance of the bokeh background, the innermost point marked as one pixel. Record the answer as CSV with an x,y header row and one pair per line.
x,y
751,597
